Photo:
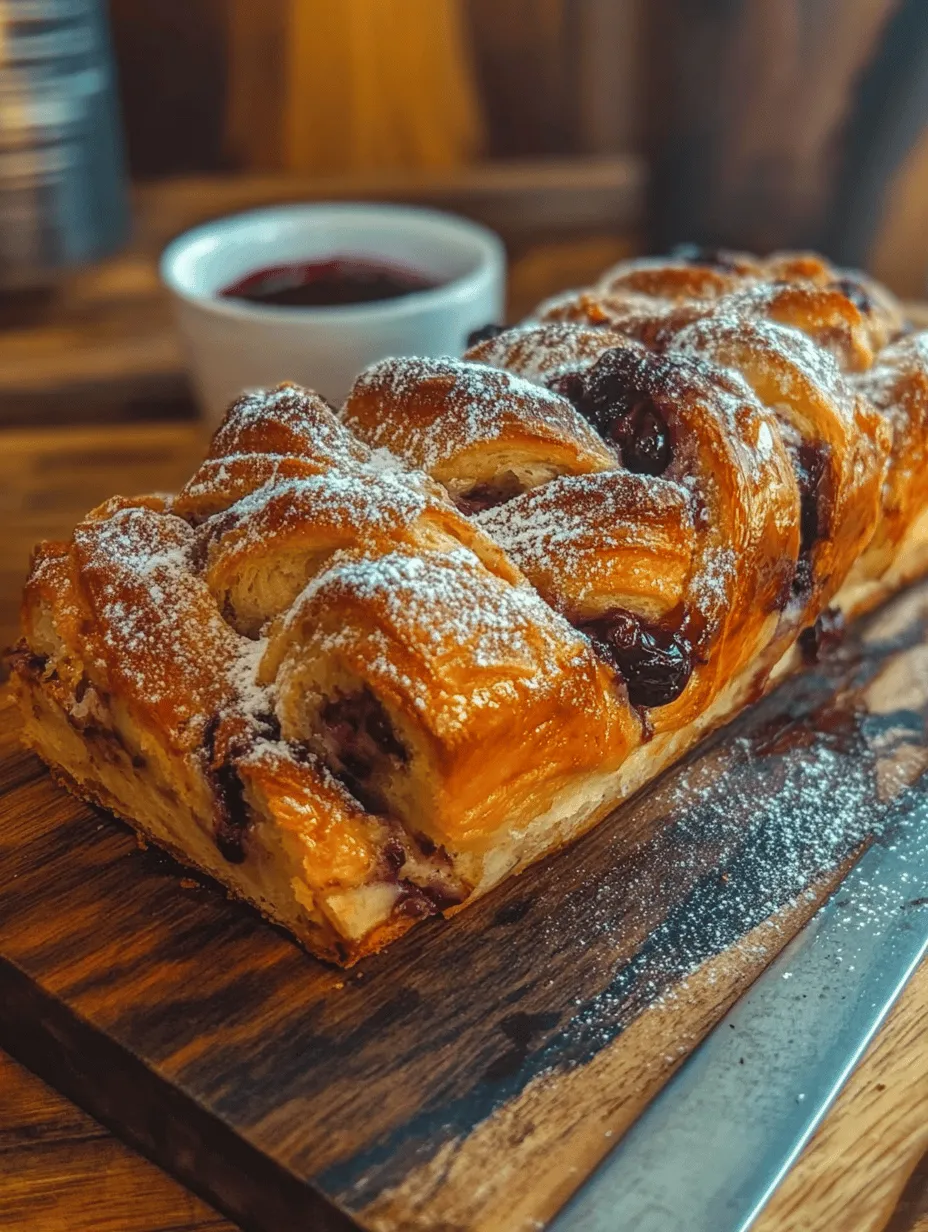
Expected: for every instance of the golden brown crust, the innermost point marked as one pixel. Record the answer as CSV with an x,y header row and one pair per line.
x,y
288,421
472,427
545,353
458,662
653,299
261,553
727,452
283,433
838,444
313,677
588,543
897,386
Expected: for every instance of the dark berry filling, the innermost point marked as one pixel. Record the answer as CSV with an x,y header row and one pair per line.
x,y
641,434
569,385
233,816
423,901
654,663
484,334
488,495
857,294
715,258
394,857
234,820
358,736
626,415
814,479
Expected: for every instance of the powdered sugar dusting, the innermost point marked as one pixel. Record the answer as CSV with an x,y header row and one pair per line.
x,y
436,409
156,619
376,502
285,420
907,357
494,639
543,353
576,522
252,698
800,364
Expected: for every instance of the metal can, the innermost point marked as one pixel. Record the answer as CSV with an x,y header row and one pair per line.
x,y
63,195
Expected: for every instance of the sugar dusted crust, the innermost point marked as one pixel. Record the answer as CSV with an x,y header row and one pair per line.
x,y
364,667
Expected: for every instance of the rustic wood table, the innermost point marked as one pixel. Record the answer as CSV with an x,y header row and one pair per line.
x,y
104,348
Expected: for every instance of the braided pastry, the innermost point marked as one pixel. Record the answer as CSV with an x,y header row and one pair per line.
x,y
365,665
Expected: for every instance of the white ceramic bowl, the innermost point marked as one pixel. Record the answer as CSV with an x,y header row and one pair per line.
x,y
233,345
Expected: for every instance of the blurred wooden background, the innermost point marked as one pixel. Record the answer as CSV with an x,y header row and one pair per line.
x,y
335,86
765,121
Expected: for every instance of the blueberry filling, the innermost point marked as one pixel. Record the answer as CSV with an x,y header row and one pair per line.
x,y
814,481
654,663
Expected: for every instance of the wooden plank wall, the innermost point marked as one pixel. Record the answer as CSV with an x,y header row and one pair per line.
x,y
206,85
313,85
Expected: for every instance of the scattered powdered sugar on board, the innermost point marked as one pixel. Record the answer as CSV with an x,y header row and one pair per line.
x,y
725,855
741,831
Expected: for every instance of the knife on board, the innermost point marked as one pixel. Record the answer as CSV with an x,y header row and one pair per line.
x,y
711,1148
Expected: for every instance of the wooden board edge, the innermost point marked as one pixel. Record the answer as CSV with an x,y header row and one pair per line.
x,y
160,1121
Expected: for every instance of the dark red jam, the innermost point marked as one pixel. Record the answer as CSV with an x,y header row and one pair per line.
x,y
331,283
654,663
626,415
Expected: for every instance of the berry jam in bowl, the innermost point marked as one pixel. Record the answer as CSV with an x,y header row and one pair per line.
x,y
315,293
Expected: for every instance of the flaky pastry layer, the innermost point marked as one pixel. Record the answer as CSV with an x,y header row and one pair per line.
x,y
365,666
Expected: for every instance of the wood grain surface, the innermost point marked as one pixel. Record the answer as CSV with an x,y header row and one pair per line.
x,y
219,1048
780,125
879,1123
59,1170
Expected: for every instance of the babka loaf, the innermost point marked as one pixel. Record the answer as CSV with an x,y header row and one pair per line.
x,y
369,662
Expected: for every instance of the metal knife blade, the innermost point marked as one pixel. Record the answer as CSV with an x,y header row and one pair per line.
x,y
711,1148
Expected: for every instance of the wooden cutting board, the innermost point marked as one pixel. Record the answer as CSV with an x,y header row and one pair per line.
x,y
473,1075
